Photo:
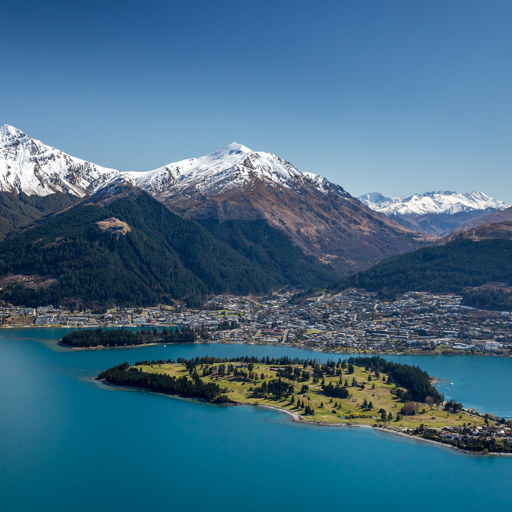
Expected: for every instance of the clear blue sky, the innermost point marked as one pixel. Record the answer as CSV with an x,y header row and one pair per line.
x,y
390,96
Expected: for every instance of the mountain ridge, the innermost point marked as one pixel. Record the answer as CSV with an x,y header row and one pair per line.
x,y
435,213
28,165
432,202
233,183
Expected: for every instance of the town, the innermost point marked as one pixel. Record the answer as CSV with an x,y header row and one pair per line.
x,y
353,321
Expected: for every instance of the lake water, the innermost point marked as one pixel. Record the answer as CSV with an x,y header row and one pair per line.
x,y
70,444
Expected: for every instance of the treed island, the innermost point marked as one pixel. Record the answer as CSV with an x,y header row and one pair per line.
x,y
369,391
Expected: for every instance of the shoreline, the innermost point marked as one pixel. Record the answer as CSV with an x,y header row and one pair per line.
x,y
296,418
289,345
116,347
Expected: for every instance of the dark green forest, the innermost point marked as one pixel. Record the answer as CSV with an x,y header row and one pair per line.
x,y
457,267
123,337
123,375
163,257
416,381
273,250
19,210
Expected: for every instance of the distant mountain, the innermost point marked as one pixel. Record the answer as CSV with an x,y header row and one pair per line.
x,y
435,213
432,202
128,248
495,217
234,183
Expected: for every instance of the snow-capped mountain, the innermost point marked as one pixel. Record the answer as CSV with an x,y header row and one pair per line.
x,y
233,167
432,202
30,166
238,184
231,184
27,165
435,213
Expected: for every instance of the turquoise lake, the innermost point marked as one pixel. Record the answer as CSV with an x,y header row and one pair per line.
x,y
70,444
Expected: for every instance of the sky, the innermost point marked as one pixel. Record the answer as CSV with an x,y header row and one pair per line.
x,y
397,97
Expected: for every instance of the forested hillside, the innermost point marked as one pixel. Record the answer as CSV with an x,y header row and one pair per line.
x,y
20,210
271,249
461,266
126,249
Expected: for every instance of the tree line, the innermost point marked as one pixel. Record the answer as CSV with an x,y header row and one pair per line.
x,y
123,375
123,337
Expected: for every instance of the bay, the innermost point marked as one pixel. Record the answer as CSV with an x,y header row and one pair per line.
x,y
68,443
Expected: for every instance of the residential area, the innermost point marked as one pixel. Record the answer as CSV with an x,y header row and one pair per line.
x,y
351,321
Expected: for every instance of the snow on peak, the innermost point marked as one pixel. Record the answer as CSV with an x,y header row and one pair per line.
x,y
235,147
27,165
231,167
8,132
432,202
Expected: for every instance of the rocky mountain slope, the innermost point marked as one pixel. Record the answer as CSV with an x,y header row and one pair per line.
x,y
489,218
489,231
236,183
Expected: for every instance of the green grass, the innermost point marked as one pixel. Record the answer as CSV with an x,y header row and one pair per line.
x,y
334,411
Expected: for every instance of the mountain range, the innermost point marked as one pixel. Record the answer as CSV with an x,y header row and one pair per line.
x,y
436,213
231,184
234,221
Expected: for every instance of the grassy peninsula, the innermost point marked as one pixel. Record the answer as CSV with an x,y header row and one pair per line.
x,y
358,391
